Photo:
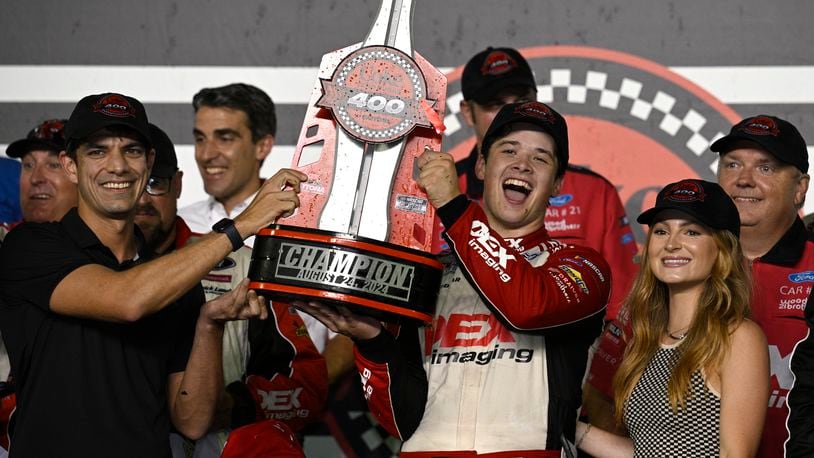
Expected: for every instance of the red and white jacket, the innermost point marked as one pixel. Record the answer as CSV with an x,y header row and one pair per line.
x,y
500,369
587,212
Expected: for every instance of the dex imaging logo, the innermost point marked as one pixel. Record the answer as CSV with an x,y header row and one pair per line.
x,y
493,253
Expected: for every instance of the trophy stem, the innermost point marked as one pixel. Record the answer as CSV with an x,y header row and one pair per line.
x,y
392,26
361,188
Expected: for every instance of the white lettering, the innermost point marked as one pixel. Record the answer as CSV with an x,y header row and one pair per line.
x,y
280,399
780,367
481,232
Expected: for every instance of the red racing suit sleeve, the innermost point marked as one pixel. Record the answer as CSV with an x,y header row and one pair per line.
x,y
286,376
609,353
619,250
546,286
393,379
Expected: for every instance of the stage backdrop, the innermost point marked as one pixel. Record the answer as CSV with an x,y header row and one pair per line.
x,y
646,86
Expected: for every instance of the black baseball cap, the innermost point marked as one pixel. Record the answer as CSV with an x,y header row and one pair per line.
x,y
773,134
48,135
703,200
166,162
535,113
493,70
98,111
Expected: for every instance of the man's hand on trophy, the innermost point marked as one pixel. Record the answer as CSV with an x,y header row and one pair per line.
x,y
438,177
341,320
277,198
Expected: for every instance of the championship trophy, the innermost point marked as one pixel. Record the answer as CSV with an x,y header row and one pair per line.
x,y
362,234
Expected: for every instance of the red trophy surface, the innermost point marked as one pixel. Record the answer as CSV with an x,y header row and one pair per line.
x,y
364,229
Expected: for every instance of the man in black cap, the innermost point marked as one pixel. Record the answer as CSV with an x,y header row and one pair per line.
x,y
764,168
271,368
107,346
501,368
587,209
46,193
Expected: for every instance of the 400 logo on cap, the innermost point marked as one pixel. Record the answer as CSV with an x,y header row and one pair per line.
x,y
376,94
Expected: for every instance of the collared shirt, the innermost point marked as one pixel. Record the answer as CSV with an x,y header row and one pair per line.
x,y
202,215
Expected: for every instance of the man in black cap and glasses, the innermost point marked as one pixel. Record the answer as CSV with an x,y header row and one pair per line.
x,y
271,368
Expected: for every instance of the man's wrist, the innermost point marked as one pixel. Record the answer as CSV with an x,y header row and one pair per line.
x,y
244,228
208,325
227,226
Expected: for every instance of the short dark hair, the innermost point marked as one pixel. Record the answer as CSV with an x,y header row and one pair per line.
x,y
249,99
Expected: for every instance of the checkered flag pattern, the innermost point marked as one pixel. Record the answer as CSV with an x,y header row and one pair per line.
x,y
656,431
662,106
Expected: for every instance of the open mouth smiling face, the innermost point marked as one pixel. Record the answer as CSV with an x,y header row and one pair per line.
x,y
519,176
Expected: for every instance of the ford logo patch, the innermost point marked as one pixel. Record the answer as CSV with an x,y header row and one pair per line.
x,y
802,277
559,201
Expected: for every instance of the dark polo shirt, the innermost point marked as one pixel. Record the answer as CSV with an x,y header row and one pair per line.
x,y
85,387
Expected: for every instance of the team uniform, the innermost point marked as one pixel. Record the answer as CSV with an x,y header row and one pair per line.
x,y
500,369
85,387
783,280
271,367
587,212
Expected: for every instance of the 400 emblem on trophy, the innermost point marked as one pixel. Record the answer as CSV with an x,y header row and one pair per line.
x,y
364,229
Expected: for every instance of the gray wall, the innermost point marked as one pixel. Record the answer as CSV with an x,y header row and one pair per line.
x,y
447,32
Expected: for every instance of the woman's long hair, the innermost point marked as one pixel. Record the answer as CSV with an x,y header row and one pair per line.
x,y
723,305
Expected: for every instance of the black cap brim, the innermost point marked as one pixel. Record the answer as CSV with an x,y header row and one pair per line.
x,y
22,147
725,144
77,134
649,216
489,93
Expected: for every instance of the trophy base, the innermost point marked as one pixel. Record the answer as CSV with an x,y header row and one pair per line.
x,y
386,281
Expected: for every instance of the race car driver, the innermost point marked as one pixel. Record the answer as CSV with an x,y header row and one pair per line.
x,y
516,312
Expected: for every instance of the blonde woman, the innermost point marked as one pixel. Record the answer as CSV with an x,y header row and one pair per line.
x,y
695,376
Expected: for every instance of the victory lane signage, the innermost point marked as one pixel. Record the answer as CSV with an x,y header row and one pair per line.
x,y
352,271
